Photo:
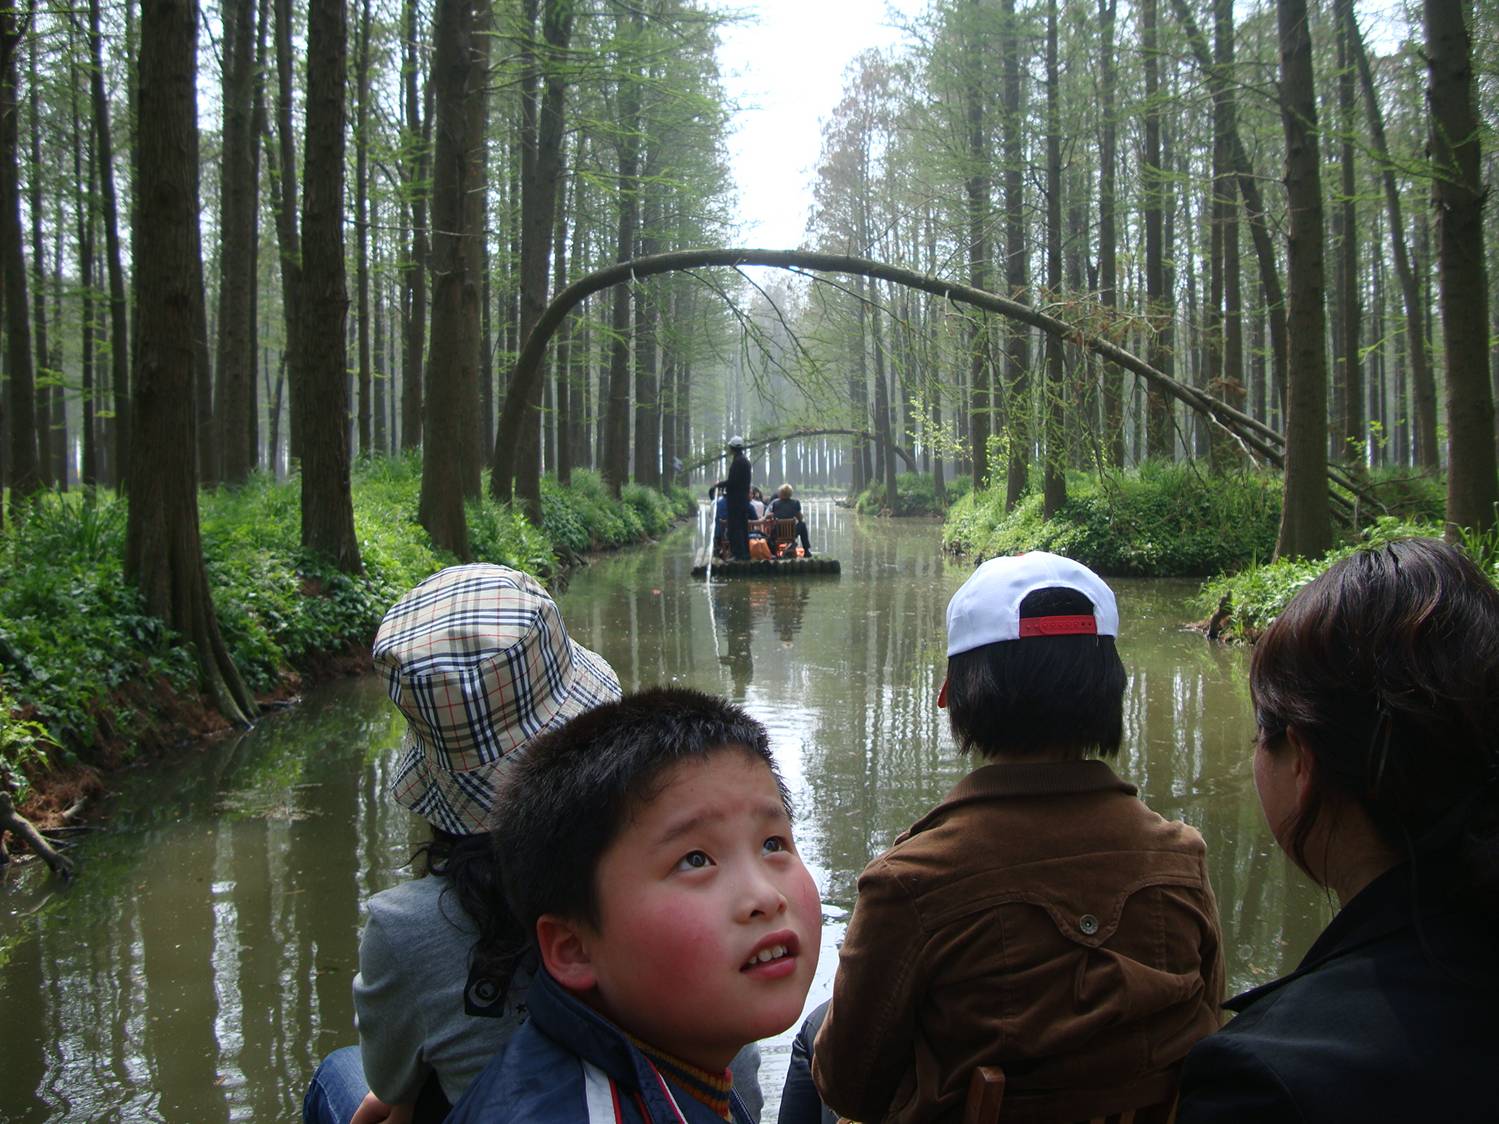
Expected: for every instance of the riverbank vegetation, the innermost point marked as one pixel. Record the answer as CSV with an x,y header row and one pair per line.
x,y
1165,519
916,494
89,678
1251,598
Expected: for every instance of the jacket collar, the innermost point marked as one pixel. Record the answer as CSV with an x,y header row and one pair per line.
x,y
1043,778
583,1031
1381,908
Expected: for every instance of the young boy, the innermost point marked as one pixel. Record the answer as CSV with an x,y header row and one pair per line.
x,y
1040,919
647,847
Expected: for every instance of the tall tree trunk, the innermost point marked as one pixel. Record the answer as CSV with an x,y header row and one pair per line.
x,y
327,505
238,196
1158,435
882,403
1351,428
455,290
163,551
1054,475
281,162
1254,209
1458,192
617,427
977,184
119,346
379,435
561,369
1225,319
84,209
1017,355
1305,526
362,228
45,377
475,212
1410,289
517,460
25,470
647,393
1108,238
414,154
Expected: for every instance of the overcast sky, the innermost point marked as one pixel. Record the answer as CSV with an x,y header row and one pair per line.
x,y
785,66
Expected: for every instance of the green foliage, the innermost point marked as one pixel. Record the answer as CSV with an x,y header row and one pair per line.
x,y
80,659
72,634
1161,520
1417,497
915,495
1258,593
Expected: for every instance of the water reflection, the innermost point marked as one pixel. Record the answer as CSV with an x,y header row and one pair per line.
x,y
202,963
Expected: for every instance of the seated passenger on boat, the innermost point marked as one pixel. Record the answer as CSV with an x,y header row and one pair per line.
x,y
784,507
1376,694
1041,919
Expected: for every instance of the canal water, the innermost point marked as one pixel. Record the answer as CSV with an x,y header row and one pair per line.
x,y
200,965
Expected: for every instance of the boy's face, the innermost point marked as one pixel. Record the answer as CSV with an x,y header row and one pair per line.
x,y
709,922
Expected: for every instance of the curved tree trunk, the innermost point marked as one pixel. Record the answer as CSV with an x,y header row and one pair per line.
x,y
1258,439
327,505
163,553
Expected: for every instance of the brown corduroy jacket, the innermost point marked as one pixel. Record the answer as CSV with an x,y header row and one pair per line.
x,y
1041,918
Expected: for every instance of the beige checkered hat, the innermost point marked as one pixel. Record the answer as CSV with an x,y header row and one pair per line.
x,y
479,662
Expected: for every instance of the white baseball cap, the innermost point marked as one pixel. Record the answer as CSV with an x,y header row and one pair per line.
x,y
736,442
986,608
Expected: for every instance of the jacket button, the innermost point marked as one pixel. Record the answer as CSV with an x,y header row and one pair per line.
x,y
1087,924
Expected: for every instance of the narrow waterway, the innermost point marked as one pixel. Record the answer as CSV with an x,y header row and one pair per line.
x,y
200,965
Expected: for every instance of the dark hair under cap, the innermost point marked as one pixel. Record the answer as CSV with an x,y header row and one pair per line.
x,y
1056,692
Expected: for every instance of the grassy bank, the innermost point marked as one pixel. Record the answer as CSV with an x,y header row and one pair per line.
x,y
88,680
1161,520
914,494
1257,594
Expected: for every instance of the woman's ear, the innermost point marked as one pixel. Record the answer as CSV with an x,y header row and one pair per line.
x,y
1303,768
564,945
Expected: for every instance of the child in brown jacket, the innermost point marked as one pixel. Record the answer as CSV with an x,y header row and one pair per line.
x,y
1041,918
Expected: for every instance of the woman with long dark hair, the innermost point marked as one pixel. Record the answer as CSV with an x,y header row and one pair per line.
x,y
1376,694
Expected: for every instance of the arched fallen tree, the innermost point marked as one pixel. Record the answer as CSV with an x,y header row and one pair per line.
x,y
1257,438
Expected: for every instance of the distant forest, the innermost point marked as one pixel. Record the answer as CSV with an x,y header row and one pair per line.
x,y
257,235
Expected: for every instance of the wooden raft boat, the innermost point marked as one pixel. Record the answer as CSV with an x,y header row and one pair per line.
x,y
761,568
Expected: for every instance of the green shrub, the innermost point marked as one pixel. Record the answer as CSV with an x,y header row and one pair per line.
x,y
1258,593
915,495
1161,520
79,657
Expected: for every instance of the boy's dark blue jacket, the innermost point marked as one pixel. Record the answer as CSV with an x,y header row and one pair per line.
x,y
567,1064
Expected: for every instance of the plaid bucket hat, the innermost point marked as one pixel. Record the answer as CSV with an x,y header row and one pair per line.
x,y
477,659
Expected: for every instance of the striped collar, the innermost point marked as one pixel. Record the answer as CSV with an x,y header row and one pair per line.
x,y
711,1089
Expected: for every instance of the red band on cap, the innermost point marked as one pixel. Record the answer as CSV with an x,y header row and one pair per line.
x,y
1058,626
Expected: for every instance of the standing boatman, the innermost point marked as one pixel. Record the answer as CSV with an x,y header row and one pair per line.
x,y
736,489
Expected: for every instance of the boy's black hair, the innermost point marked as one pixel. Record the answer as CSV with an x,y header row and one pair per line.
x,y
1055,692
574,790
